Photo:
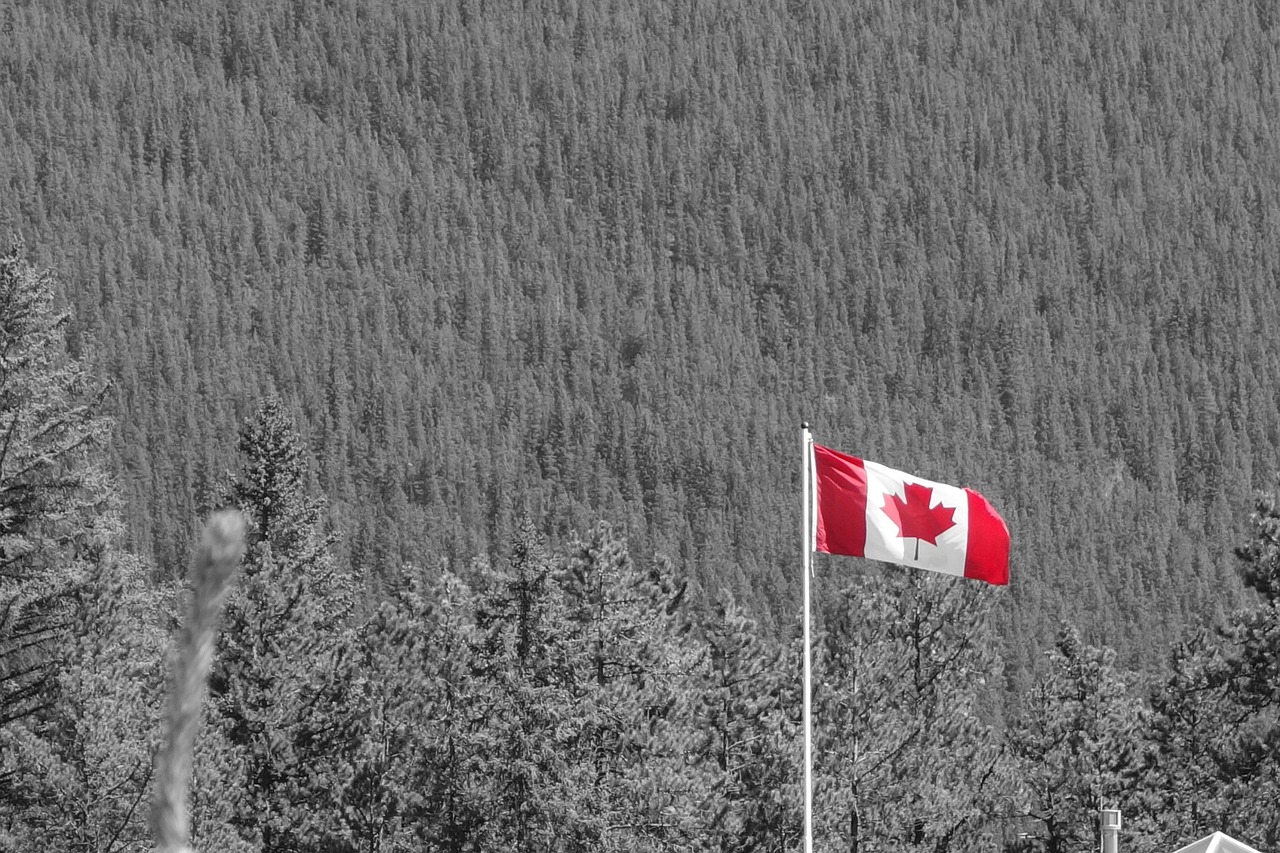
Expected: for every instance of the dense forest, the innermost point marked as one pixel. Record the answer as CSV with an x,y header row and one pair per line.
x,y
578,262
481,277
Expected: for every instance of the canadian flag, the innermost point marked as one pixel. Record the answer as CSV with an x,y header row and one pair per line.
x,y
867,510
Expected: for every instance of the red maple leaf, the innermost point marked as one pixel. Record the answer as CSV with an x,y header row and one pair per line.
x,y
915,518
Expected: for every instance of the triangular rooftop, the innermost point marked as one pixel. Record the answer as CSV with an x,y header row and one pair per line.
x,y
1216,843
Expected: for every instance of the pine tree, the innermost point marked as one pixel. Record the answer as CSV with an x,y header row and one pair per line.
x,y
273,686
85,770
1188,783
630,661
1075,742
449,780
521,681
1210,742
379,778
408,773
905,758
1260,556
1251,647
1242,676
744,736
54,495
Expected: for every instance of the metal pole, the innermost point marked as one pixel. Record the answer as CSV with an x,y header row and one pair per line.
x,y
1110,820
806,446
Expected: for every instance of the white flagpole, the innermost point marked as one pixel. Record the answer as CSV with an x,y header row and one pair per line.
x,y
806,446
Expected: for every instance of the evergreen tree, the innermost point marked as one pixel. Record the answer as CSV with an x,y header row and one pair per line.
x,y
744,737
522,678
1211,739
1075,743
274,687
1192,781
80,776
905,758
55,519
387,669
1251,669
1260,556
449,781
408,773
1241,689
628,646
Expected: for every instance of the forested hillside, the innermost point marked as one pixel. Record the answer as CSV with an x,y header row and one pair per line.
x,y
575,262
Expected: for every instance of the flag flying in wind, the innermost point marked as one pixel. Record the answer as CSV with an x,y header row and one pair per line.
x,y
867,510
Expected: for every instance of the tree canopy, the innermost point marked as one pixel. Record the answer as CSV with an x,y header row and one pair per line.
x,y
570,263
430,290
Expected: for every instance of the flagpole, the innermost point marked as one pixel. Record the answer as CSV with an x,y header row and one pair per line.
x,y
806,539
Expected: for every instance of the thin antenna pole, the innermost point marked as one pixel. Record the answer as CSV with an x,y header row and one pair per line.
x,y
806,538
